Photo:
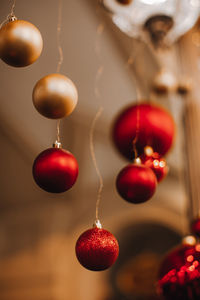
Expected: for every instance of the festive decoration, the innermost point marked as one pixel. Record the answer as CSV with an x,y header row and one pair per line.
x,y
156,129
20,43
156,163
136,183
195,227
55,170
180,274
55,96
97,249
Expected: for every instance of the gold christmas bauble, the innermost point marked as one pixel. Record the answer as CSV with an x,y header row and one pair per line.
x,y
55,96
20,43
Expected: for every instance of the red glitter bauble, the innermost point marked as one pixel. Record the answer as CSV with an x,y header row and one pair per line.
x,y
157,164
180,274
136,183
97,249
156,129
55,170
195,227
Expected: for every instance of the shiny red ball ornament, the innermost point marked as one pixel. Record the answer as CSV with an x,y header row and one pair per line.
x,y
180,274
97,249
136,183
195,227
156,129
55,170
157,164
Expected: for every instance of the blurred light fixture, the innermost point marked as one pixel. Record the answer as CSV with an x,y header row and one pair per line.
x,y
163,21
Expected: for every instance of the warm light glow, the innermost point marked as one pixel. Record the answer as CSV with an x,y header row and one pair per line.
x,y
189,240
190,258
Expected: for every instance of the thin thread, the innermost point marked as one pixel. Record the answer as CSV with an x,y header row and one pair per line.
x,y
97,116
60,51
99,32
131,60
60,61
58,131
12,8
10,16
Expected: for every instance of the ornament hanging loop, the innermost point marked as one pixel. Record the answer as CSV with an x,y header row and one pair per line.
x,y
97,224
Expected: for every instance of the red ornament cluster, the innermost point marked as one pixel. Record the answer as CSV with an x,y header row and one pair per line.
x,y
152,128
180,274
97,249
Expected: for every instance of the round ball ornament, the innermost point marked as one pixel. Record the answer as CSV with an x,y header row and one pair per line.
x,y
195,227
136,183
180,274
156,129
55,170
55,96
20,43
157,164
97,249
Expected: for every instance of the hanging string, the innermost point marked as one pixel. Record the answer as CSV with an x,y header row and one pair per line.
x,y
97,116
60,51
97,48
58,131
130,62
11,16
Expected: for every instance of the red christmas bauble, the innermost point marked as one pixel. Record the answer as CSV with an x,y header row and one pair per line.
x,y
180,274
157,164
156,129
55,170
195,227
136,183
97,249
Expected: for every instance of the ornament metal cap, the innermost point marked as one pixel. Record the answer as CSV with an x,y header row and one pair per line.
x,y
137,161
148,150
189,240
57,145
97,224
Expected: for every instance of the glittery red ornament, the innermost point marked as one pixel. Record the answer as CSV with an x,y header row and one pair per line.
x,y
157,164
156,129
136,183
180,274
55,170
195,227
97,249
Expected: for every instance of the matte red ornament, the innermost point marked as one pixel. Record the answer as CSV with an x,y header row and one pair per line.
x,y
195,227
136,183
55,170
179,277
156,129
157,164
97,249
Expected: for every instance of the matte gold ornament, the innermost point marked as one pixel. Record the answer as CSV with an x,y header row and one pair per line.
x,y
55,96
20,43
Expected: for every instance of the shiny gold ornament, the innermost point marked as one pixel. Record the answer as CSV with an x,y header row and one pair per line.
x,y
55,96
20,43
